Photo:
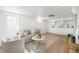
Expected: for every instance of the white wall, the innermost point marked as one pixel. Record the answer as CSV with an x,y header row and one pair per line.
x,y
60,31
24,22
77,28
5,30
2,25
31,23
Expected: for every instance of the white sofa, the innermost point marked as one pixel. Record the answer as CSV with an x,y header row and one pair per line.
x,y
16,46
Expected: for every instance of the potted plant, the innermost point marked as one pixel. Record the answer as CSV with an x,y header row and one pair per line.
x,y
38,33
71,38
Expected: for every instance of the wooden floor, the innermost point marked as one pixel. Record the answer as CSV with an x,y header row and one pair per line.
x,y
60,43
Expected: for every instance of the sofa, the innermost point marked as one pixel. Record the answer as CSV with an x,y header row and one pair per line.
x,y
13,46
26,34
28,38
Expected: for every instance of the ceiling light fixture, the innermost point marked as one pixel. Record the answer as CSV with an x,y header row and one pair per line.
x,y
51,15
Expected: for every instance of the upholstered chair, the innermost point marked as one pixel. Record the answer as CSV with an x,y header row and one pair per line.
x,y
16,46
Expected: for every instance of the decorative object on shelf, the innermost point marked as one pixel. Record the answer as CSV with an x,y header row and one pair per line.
x,y
68,26
72,26
61,26
52,15
53,26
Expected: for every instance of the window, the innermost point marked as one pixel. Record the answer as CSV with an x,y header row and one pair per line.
x,y
12,22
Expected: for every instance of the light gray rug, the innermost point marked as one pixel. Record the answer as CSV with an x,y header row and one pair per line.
x,y
32,46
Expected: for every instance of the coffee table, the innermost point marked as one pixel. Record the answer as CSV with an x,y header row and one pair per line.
x,y
39,41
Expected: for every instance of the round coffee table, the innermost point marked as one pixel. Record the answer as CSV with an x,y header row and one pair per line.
x,y
39,41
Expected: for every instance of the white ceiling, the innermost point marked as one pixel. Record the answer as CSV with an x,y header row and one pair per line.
x,y
44,11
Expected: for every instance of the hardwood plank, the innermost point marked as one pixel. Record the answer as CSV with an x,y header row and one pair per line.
x,y
60,45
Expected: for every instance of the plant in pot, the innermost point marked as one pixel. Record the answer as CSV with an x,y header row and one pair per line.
x,y
38,33
71,38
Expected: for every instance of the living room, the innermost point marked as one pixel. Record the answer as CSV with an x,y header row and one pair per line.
x,y
42,29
